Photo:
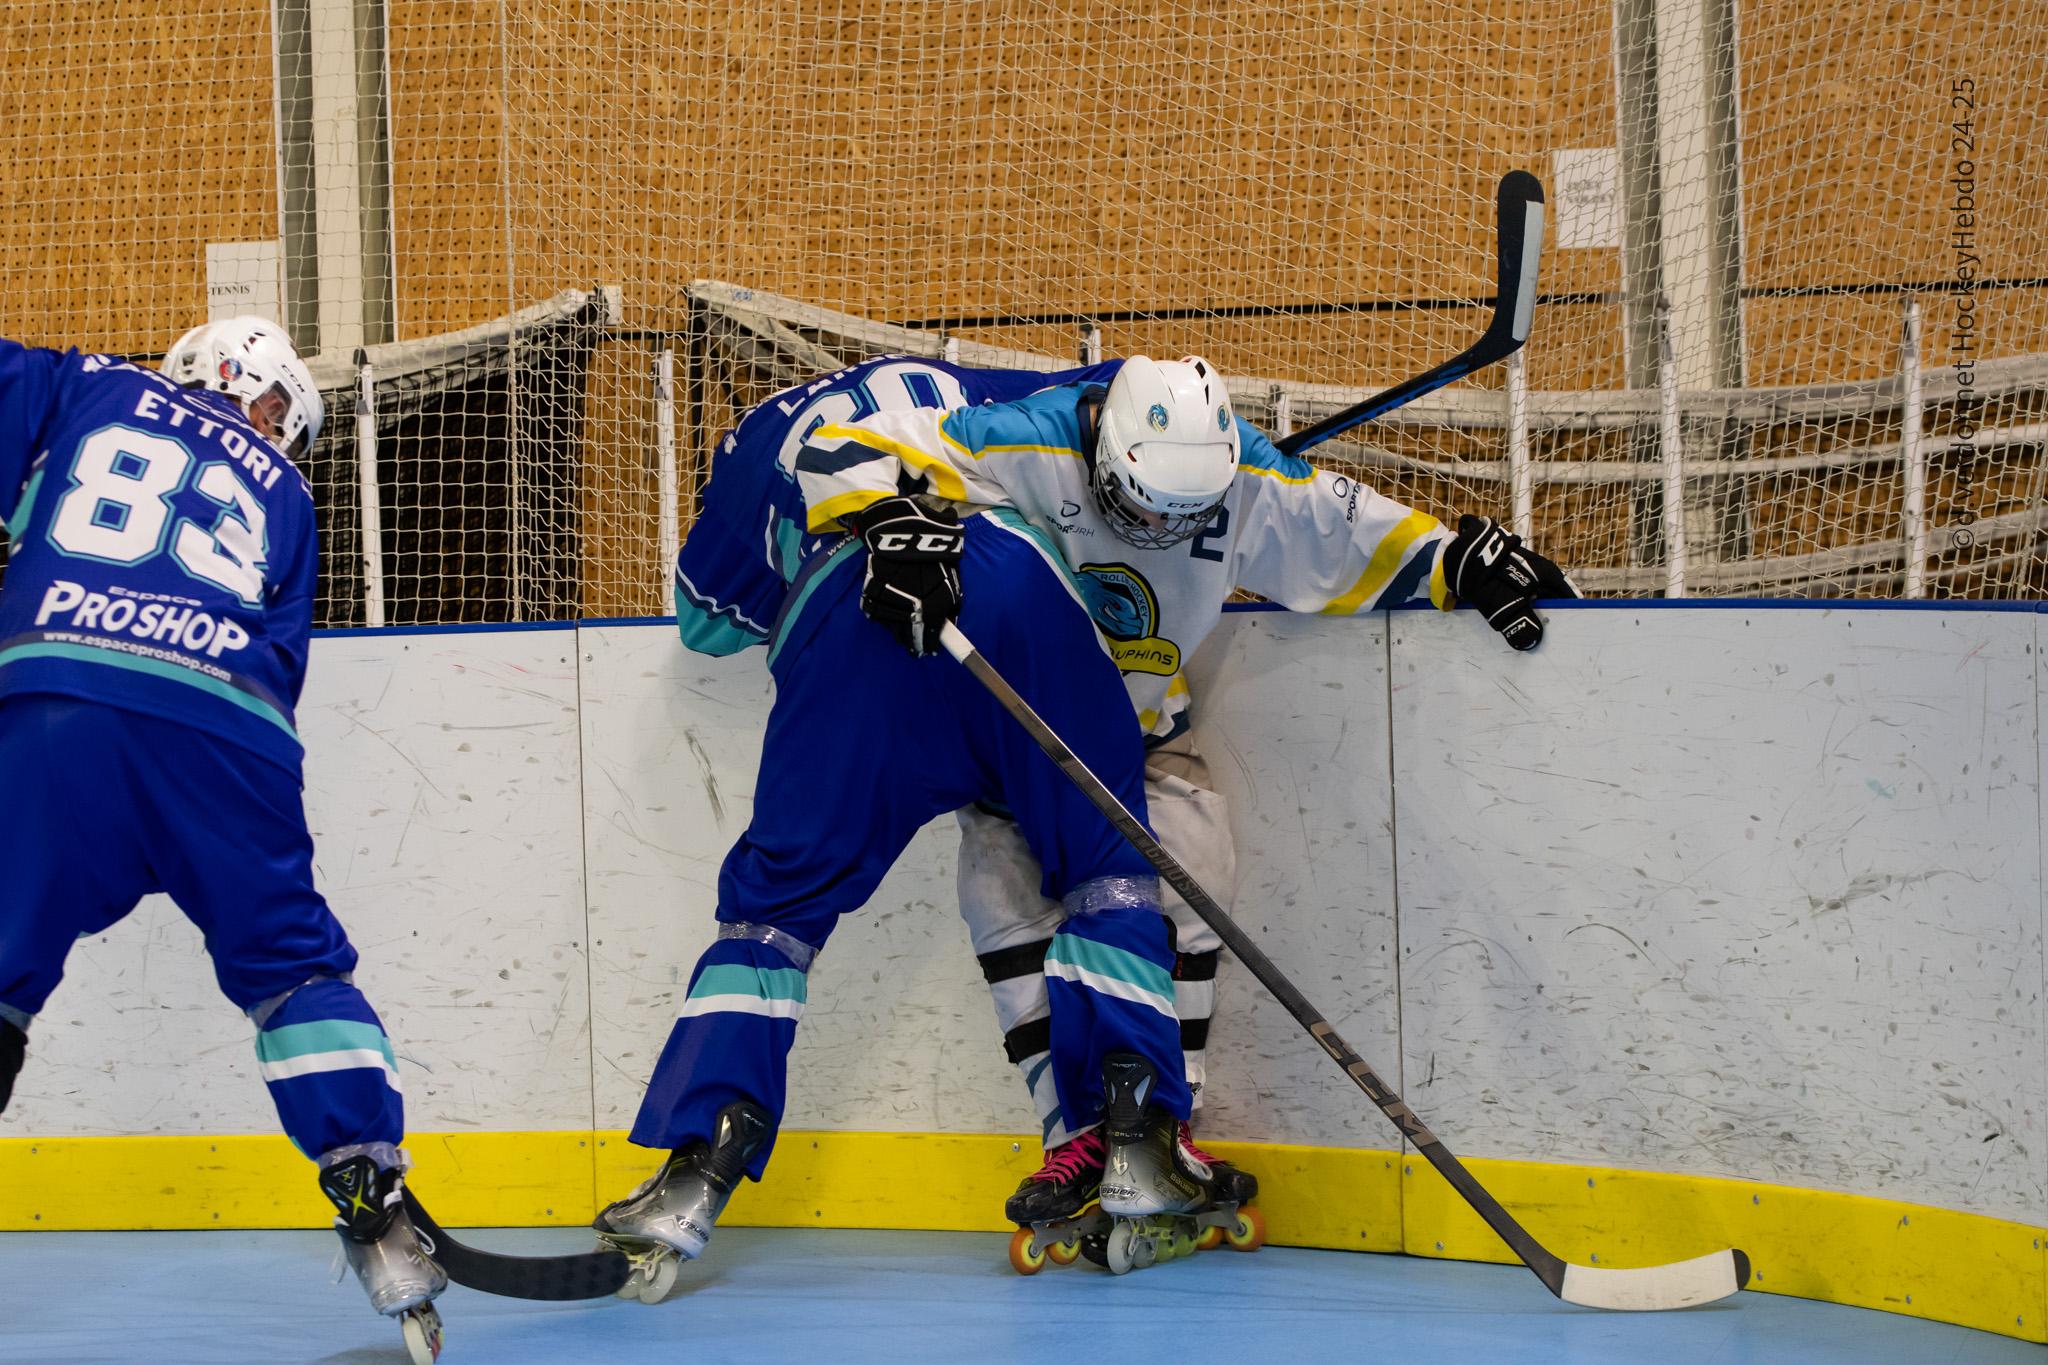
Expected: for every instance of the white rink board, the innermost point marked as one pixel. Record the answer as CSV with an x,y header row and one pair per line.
x,y
1733,892
1292,716
442,790
898,1034
1724,891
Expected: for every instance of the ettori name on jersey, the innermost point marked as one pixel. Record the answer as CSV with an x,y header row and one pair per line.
x,y
163,554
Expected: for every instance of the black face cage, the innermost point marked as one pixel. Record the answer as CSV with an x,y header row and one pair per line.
x,y
1141,528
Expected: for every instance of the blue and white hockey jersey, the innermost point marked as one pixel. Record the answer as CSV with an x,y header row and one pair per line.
x,y
163,553
750,538
1305,538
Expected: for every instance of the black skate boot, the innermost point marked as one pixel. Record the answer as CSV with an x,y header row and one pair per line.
x,y
386,1254
668,1219
1063,1186
1054,1207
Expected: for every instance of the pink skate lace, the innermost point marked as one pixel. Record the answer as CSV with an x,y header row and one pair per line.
x,y
1071,1160
1187,1144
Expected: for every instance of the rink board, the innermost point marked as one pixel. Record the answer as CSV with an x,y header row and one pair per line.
x,y
1742,892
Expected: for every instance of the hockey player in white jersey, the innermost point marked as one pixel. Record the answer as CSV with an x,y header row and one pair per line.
x,y
1163,503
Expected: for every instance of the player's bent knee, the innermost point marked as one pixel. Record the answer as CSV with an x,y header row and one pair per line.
x,y
13,1048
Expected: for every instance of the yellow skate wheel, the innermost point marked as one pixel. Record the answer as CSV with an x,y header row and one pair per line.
x,y
1249,1232
1025,1259
1211,1238
1064,1253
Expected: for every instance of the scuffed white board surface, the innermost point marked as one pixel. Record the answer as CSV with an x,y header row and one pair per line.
x,y
442,793
1734,892
1291,712
898,1035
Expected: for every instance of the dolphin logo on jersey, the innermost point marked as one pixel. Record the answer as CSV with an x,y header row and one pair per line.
x,y
1127,611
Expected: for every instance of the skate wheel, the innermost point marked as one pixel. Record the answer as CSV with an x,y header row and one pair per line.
x,y
1025,1258
422,1330
1211,1238
1120,1253
1064,1253
660,1277
1248,1233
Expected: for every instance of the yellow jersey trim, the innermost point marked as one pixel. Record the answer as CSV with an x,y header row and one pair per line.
x,y
1384,564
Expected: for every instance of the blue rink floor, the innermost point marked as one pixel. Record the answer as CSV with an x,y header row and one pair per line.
x,y
851,1297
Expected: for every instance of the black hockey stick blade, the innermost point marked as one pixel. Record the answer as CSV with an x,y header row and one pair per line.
x,y
1519,237
578,1275
1682,1284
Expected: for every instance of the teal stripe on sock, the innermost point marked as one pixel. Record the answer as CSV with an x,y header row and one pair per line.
x,y
766,983
1106,960
322,1035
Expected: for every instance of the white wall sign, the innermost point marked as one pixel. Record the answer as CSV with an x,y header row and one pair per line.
x,y
242,278
1587,182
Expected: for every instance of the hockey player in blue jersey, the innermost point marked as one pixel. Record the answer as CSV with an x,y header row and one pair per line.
x,y
153,633
866,742
1164,503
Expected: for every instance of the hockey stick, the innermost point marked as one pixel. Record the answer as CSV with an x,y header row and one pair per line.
x,y
1678,1285
1520,227
579,1275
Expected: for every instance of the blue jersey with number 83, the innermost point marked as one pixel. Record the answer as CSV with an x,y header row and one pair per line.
x,y
162,553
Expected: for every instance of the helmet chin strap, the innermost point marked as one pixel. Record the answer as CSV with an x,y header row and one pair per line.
x,y
1089,411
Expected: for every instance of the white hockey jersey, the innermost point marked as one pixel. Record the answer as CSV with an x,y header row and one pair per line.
x,y
1302,537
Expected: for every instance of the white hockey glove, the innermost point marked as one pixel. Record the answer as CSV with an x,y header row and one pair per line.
x,y
1489,567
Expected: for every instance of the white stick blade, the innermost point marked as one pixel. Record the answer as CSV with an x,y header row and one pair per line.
x,y
1681,1284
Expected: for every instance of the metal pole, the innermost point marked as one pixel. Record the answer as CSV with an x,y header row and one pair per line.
x,y
1522,488
1283,412
370,502
1911,458
665,466
1671,446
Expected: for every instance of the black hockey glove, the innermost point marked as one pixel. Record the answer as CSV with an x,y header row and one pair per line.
x,y
1489,567
913,581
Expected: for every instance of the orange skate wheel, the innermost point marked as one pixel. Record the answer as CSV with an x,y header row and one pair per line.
x,y
1023,1259
1249,1233
1211,1238
1064,1253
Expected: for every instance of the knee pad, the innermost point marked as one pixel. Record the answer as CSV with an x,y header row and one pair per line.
x,y
13,1047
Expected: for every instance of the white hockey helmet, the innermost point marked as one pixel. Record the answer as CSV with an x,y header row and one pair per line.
x,y
252,360
1165,450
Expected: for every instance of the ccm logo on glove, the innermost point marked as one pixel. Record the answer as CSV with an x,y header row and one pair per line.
x,y
913,579
1492,569
898,542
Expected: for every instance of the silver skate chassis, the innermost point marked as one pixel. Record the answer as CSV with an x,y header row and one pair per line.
x,y
1126,1244
402,1280
669,1218
666,1221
